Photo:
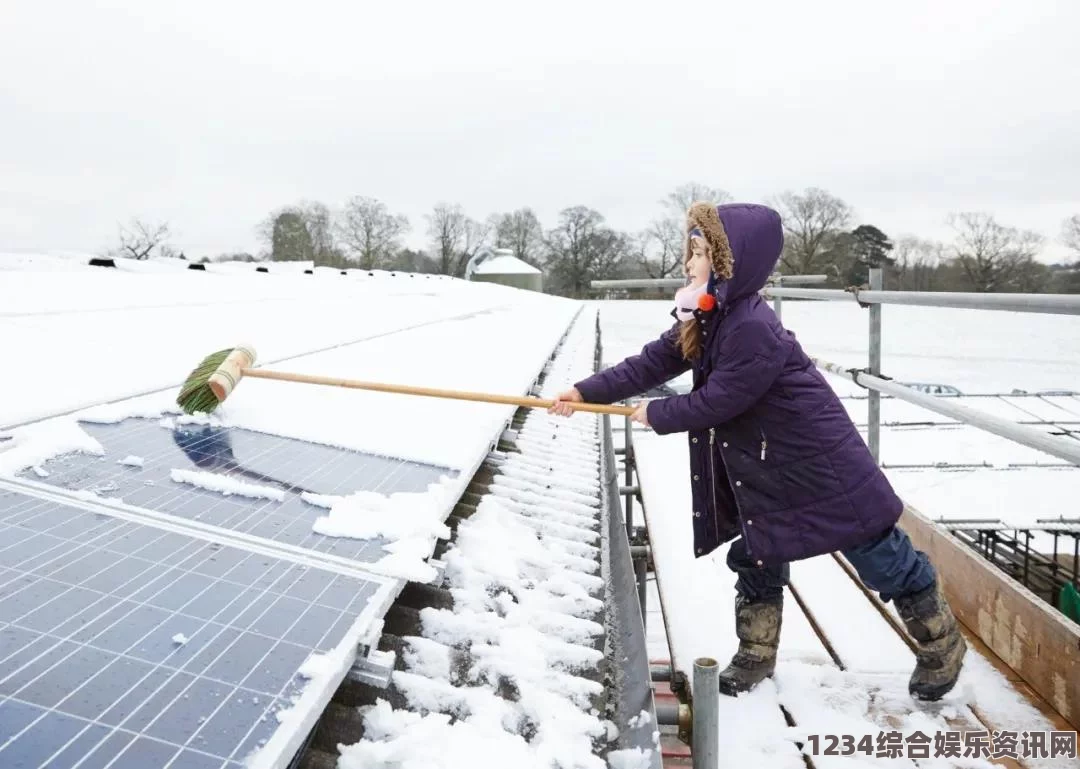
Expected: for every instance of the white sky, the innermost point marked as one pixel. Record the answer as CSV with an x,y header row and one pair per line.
x,y
211,114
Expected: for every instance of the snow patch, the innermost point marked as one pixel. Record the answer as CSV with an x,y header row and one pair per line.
x,y
325,501
369,514
223,484
317,667
131,461
631,758
180,639
34,445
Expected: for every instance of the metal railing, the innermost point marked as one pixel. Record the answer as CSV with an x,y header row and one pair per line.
x,y
872,379
873,297
628,283
1053,304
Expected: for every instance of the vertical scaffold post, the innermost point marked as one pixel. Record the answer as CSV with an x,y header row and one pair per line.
x,y
874,404
705,739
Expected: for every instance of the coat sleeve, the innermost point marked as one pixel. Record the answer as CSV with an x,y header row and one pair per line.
x,y
750,360
658,362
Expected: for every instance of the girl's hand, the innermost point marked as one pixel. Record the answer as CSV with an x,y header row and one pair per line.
x,y
562,406
640,414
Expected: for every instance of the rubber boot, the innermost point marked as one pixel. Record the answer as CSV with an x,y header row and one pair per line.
x,y
757,625
940,644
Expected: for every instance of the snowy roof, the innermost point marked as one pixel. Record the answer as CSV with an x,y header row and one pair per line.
x,y
505,264
498,261
326,500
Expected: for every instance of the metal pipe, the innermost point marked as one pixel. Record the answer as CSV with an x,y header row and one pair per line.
x,y
873,413
639,283
628,442
1053,304
705,737
673,714
797,280
659,673
778,307
631,490
788,280
640,575
1068,450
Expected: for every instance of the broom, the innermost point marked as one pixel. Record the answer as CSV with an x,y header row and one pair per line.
x,y
219,373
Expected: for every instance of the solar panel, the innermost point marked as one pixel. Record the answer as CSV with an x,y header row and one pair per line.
x,y
127,646
288,466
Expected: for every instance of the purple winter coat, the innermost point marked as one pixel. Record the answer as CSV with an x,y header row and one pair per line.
x,y
773,453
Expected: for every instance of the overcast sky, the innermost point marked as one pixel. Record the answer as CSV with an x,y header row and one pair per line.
x,y
211,113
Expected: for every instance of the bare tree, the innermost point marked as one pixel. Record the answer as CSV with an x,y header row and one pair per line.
x,y
139,239
370,233
660,246
582,249
320,226
917,263
455,237
992,256
1070,233
520,231
813,223
679,200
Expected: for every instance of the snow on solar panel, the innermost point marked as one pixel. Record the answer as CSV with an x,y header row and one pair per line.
x,y
243,481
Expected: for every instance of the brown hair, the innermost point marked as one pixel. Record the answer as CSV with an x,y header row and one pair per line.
x,y
706,218
690,339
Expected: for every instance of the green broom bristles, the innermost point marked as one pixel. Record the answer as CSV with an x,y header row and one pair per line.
x,y
195,395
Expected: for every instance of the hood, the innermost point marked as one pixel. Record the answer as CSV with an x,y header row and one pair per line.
x,y
746,241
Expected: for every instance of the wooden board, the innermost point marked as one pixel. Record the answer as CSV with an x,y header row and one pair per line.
x,y
1029,635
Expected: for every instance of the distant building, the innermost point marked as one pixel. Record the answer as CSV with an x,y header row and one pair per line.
x,y
499,265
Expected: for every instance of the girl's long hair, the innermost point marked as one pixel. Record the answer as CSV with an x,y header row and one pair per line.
x,y
690,339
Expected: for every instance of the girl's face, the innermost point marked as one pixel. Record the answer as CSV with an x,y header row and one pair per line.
x,y
699,264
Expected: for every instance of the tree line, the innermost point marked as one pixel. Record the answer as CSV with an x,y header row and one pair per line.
x,y
822,236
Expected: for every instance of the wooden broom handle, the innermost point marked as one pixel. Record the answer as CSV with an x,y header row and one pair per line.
x,y
514,400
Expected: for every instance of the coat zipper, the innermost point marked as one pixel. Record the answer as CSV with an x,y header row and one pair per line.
x,y
715,480
764,443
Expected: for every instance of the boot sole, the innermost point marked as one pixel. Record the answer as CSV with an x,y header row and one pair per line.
x,y
731,689
935,694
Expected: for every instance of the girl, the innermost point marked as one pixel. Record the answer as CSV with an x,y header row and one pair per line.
x,y
775,460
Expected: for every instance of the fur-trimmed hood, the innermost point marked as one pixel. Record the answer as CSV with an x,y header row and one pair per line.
x,y
745,240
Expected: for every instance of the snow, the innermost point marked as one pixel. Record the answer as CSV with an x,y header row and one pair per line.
x,y
317,666
180,639
524,602
505,265
523,571
869,695
403,331
35,444
226,485
984,352
369,514
631,758
976,351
